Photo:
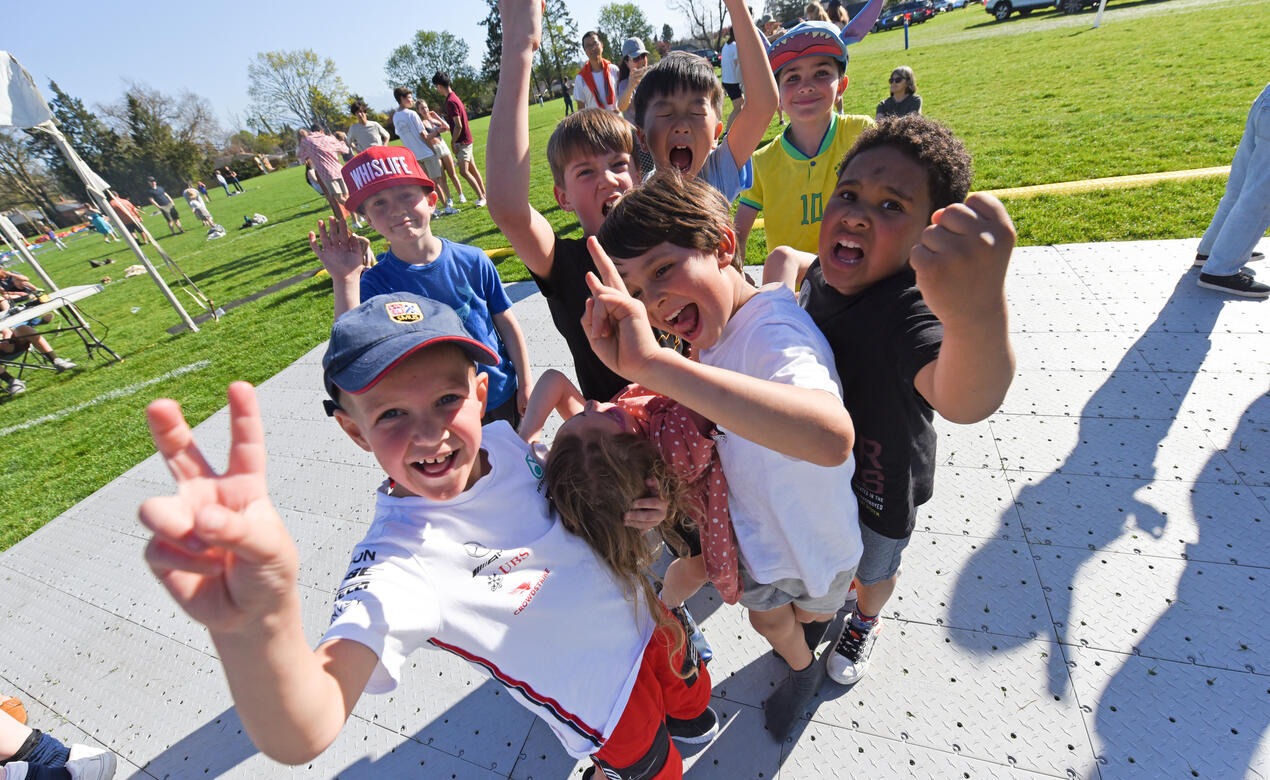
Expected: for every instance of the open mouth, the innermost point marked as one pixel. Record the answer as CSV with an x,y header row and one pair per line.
x,y
436,467
608,205
680,157
847,252
684,321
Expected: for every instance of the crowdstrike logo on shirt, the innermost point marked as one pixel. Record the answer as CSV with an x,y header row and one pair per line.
x,y
374,169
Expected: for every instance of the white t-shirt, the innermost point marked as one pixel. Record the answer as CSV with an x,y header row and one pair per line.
x,y
409,125
793,519
729,64
493,577
582,92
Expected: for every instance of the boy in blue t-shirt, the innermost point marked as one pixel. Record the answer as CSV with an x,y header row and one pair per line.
x,y
387,186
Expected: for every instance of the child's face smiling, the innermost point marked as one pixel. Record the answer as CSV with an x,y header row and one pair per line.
x,y
688,292
593,183
422,420
808,87
680,129
875,217
401,214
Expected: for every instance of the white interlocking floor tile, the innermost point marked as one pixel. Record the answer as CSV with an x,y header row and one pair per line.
x,y
1130,394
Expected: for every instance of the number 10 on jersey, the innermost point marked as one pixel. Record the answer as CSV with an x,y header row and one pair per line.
x,y
813,208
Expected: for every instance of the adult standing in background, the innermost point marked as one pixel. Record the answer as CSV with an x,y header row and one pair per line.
x,y
568,102
1243,213
595,86
904,98
364,133
417,138
233,179
323,152
460,135
730,67
159,197
220,177
837,13
130,215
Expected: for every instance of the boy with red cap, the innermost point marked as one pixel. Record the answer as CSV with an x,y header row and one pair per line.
x,y
387,186
794,173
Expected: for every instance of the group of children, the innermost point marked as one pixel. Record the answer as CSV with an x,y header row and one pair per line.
x,y
779,445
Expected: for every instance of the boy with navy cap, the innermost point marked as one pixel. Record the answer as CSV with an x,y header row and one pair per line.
x,y
794,173
464,555
387,186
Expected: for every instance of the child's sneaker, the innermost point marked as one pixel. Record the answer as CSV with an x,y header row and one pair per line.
x,y
91,763
698,639
462,199
1255,257
480,203
850,656
1241,284
62,364
702,728
17,386
448,210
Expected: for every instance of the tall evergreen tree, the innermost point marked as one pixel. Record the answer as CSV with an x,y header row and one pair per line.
x,y
98,145
493,22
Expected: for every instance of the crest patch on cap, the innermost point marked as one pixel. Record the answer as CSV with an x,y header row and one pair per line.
x,y
403,311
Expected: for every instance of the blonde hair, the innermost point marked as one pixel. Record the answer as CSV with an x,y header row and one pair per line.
x,y
589,131
592,480
907,73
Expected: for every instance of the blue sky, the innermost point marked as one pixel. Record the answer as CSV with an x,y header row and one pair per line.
x,y
93,51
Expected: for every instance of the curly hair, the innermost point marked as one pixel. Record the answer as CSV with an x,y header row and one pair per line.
x,y
931,145
592,480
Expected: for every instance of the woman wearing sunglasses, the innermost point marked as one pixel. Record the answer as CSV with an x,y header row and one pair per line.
x,y
904,98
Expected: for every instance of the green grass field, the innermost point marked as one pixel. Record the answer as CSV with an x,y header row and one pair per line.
x,y
1161,86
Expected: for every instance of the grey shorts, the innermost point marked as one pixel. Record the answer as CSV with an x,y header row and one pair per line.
x,y
760,597
881,559
463,153
432,167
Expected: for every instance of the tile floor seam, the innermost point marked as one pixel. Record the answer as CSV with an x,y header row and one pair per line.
x,y
375,723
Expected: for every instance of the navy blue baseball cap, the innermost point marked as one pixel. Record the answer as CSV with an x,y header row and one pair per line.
x,y
370,340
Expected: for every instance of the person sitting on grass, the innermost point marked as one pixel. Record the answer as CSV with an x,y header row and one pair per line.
x,y
904,259
387,186
15,290
904,98
556,623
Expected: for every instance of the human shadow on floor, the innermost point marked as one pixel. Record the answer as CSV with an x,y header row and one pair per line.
x,y
1116,509
1216,717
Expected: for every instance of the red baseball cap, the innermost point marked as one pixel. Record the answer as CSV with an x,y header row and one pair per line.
x,y
380,167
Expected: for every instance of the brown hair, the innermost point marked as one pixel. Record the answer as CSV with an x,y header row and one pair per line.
x,y
589,131
928,143
592,480
907,73
814,12
669,207
678,71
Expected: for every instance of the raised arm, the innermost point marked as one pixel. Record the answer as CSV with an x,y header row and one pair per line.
x,y
787,266
804,423
960,263
507,151
344,255
761,97
224,555
552,391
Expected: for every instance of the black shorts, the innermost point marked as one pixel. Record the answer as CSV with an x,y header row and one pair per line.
x,y
169,212
733,91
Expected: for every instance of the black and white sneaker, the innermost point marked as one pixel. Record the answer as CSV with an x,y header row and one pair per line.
x,y
1241,284
846,664
1253,258
702,728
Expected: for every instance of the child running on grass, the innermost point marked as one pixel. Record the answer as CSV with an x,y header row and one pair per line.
x,y
387,186
601,452
400,372
591,166
904,260
766,379
679,111
794,173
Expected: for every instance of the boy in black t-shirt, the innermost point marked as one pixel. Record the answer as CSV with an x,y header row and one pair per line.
x,y
909,289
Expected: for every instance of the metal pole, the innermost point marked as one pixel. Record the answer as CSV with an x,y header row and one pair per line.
x,y
126,234
16,241
905,32
1098,19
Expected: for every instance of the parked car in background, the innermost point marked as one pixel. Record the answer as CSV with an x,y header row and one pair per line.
x,y
1001,9
917,11
709,54
943,5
